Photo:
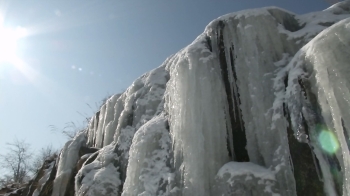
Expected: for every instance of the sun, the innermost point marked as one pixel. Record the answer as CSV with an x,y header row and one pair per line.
x,y
8,43
9,49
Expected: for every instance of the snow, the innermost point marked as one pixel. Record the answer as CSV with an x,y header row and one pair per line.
x,y
100,177
120,118
139,103
116,123
324,63
339,8
256,179
245,168
315,22
148,170
171,133
261,51
129,110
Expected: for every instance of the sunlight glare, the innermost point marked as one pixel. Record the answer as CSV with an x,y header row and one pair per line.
x,y
8,43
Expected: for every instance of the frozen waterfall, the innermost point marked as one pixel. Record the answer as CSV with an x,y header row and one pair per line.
x,y
198,111
258,104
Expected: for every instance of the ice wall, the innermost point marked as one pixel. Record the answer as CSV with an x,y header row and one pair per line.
x,y
243,110
112,129
149,170
137,105
198,111
249,44
318,94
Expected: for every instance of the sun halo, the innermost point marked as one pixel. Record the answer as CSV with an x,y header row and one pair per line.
x,y
8,43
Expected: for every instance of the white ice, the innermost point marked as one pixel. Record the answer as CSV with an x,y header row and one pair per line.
x,y
68,158
149,170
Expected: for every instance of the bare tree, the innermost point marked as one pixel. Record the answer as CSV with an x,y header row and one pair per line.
x,y
16,162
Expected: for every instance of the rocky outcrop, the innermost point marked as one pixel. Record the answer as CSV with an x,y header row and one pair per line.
x,y
43,180
12,189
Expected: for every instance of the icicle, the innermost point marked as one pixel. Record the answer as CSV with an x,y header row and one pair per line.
x,y
148,170
326,60
109,128
316,164
91,132
198,125
100,131
67,161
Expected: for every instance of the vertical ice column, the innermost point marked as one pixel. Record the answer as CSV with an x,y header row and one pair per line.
x,y
148,171
109,125
248,46
107,121
67,162
99,130
325,84
197,103
224,49
118,109
91,132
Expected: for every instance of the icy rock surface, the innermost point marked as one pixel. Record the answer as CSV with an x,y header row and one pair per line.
x,y
129,110
44,178
256,105
149,170
245,179
101,176
68,158
41,184
318,91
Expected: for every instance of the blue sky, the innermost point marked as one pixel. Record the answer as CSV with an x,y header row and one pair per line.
x,y
75,53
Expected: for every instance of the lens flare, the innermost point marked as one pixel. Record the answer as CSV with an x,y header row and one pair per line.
x,y
328,141
8,43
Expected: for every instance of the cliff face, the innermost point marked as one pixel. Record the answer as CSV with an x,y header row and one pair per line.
x,y
258,104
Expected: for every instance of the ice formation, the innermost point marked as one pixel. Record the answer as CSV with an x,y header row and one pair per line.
x,y
94,178
67,160
258,104
245,178
149,170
